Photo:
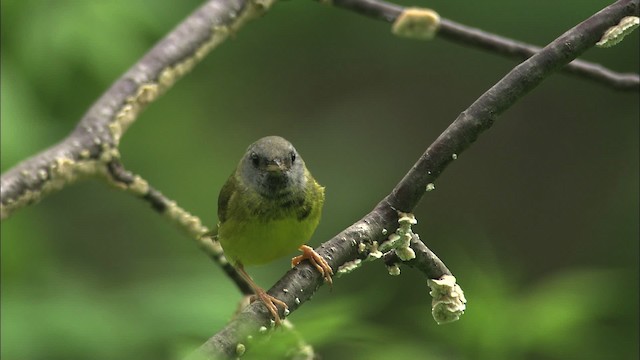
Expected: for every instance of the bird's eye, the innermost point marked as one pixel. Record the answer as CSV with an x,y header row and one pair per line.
x,y
293,157
255,159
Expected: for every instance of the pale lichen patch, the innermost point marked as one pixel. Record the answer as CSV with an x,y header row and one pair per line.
x,y
85,153
348,267
448,302
115,128
401,239
62,169
374,252
240,349
108,153
405,253
127,114
42,174
139,186
394,270
146,94
406,220
27,197
188,222
416,23
615,34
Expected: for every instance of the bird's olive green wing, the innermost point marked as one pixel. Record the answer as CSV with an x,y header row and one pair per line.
x,y
223,198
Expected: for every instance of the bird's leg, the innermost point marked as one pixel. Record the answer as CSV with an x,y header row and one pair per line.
x,y
316,260
269,301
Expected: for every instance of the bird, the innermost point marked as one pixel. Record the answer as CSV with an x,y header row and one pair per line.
x,y
269,207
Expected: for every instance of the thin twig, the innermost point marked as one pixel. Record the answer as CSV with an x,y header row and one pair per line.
x,y
126,180
466,35
299,284
426,261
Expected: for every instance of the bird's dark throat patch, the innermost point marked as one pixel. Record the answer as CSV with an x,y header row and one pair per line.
x,y
281,205
275,186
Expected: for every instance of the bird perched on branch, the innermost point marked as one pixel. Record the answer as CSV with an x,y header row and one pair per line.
x,y
269,207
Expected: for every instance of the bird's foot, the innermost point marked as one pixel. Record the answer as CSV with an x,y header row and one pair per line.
x,y
270,302
316,260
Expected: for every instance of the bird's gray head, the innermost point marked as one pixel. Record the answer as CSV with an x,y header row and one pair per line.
x,y
273,167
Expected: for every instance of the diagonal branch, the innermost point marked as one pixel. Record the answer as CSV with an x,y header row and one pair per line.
x,y
128,181
466,35
94,142
299,284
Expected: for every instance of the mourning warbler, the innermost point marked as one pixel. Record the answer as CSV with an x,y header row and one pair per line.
x,y
269,207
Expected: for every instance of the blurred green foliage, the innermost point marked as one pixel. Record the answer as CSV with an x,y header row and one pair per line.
x,y
537,220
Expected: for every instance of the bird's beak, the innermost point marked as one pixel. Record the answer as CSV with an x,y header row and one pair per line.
x,y
275,166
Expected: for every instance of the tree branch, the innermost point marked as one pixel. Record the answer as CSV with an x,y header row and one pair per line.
x,y
299,284
466,35
92,148
94,142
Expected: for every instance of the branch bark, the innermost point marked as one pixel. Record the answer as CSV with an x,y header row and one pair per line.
x,y
466,35
299,284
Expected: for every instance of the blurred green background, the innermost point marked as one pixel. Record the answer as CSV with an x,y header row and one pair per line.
x,y
538,220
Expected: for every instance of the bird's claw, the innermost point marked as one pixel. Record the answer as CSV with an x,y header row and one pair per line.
x,y
316,260
271,303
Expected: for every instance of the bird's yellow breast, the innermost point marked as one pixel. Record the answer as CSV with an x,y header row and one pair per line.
x,y
254,242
